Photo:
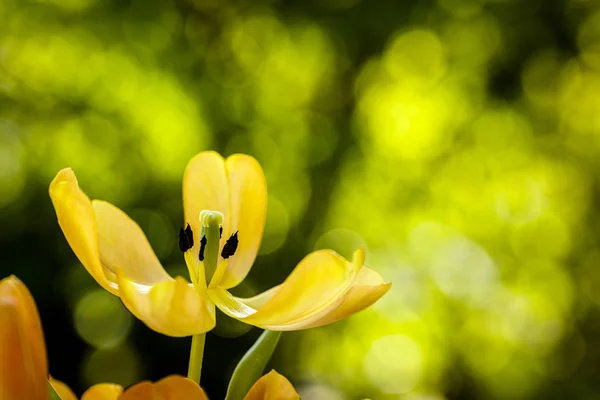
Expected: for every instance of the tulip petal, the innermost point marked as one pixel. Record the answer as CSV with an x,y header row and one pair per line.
x,y
272,386
367,288
315,288
102,236
103,391
205,188
173,307
62,390
77,220
123,246
170,388
23,365
248,209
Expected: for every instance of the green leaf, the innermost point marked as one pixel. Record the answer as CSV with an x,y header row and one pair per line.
x,y
52,392
251,366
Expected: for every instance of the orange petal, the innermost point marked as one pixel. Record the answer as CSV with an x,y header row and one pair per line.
x,y
170,388
173,307
103,391
205,188
315,288
23,365
62,390
248,209
272,386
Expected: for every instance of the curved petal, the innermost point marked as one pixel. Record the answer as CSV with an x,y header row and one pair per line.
x,y
367,288
123,246
272,386
315,288
173,307
248,209
170,388
102,236
205,188
23,365
62,390
77,220
103,391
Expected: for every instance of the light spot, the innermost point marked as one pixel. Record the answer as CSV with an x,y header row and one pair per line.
x,y
343,241
120,365
394,364
101,320
277,226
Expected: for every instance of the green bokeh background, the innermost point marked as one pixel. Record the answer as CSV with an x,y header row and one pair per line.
x,y
458,140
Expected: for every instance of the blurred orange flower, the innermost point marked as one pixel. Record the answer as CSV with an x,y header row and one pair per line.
x,y
272,386
23,365
229,195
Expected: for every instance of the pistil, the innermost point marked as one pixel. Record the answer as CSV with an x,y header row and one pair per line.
x,y
211,235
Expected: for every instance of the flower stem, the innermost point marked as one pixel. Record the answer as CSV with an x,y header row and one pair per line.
x,y
196,354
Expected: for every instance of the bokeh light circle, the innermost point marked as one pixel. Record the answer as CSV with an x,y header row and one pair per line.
x,y
101,320
120,365
277,226
343,241
394,364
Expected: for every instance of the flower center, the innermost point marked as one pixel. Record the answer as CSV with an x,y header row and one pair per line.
x,y
203,268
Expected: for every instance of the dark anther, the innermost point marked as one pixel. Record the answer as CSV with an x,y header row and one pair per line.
x,y
202,247
220,232
186,238
230,246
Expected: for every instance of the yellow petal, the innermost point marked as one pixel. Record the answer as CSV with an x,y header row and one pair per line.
x,y
173,307
103,391
367,288
170,388
124,246
272,386
23,365
205,188
248,208
77,220
315,288
102,236
62,390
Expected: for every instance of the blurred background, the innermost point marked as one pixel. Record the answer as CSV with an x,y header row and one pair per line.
x,y
458,140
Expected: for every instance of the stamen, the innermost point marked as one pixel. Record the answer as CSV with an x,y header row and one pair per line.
x,y
230,246
203,242
220,232
186,238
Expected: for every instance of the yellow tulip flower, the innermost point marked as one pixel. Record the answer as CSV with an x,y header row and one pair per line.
x,y
23,365
225,203
272,386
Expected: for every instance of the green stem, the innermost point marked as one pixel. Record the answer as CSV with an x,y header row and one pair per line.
x,y
196,355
